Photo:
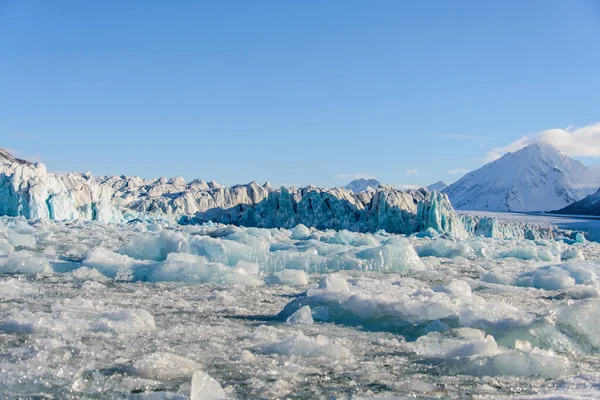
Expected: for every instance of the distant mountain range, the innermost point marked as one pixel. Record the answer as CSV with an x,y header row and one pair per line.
x,y
361,185
438,186
535,178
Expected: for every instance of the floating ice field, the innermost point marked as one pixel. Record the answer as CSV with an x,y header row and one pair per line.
x,y
162,311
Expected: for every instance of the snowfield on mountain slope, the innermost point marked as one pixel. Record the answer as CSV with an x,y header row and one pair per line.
x,y
146,311
536,178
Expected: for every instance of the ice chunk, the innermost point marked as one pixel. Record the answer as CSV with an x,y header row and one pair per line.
x,y
573,253
579,238
445,248
519,363
472,352
302,316
301,345
344,237
228,251
454,289
307,260
77,317
204,387
556,277
452,345
580,321
22,240
5,247
522,253
85,273
164,366
404,306
126,321
156,247
395,257
498,277
25,262
291,277
108,262
248,267
300,232
181,267
335,283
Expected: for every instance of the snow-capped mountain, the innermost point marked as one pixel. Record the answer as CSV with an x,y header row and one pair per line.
x,y
535,178
438,186
590,205
360,185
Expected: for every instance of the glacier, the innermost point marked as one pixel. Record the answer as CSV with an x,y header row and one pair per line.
x,y
29,190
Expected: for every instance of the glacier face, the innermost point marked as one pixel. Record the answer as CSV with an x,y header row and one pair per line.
x,y
31,191
535,178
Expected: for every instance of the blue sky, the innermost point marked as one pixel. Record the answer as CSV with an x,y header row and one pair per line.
x,y
291,92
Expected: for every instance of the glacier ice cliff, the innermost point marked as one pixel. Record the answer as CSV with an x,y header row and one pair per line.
x,y
29,190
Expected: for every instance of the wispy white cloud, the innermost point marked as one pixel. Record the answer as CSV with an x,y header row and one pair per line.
x,y
498,152
582,142
358,175
457,171
411,172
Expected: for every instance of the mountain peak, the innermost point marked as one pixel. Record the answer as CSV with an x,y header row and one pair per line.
x,y
535,178
438,186
361,184
541,148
